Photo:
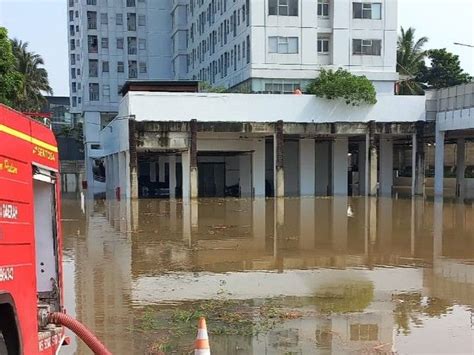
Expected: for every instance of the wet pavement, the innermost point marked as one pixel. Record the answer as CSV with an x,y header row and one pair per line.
x,y
288,276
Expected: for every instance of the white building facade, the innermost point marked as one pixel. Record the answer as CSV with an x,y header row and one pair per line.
x,y
276,46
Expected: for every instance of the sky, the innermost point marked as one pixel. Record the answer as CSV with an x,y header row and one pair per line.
x,y
43,24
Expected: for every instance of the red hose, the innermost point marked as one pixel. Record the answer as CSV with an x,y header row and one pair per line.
x,y
81,331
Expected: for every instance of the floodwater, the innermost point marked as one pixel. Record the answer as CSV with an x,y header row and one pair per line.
x,y
288,276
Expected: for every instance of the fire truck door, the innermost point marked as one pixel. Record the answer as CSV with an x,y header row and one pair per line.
x,y
45,232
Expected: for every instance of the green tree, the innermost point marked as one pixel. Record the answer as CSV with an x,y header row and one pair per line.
x,y
410,60
445,70
10,79
35,78
353,89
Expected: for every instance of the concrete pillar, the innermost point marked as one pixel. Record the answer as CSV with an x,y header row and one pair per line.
x,y
152,171
307,167
258,168
323,164
245,175
419,188
161,169
363,166
414,149
439,163
121,175
133,160
340,166
279,174
186,172
373,160
193,176
172,177
460,167
386,166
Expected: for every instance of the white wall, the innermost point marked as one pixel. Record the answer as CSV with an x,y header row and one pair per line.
x,y
267,108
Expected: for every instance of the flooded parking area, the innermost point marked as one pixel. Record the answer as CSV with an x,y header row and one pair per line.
x,y
273,276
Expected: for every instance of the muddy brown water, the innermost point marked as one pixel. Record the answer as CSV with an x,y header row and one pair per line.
x,y
292,276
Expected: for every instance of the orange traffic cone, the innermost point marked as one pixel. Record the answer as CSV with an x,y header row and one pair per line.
x,y
201,346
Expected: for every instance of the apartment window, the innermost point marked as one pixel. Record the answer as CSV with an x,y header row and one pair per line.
x,y
283,7
366,46
72,44
79,100
143,68
74,101
76,13
71,30
93,92
283,45
323,8
78,71
71,2
93,68
73,59
73,73
78,57
104,20
132,45
365,10
130,3
78,43
119,43
71,15
105,90
120,67
92,44
119,90
141,20
142,43
78,86
77,28
132,22
105,66
323,45
91,20
73,87
104,42
132,69
91,2
364,332
119,19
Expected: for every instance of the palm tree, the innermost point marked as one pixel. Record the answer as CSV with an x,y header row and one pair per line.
x,y
35,77
410,59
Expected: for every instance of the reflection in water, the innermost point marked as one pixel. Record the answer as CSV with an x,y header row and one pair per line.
x,y
340,275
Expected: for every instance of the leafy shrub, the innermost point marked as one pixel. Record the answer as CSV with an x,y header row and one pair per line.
x,y
353,89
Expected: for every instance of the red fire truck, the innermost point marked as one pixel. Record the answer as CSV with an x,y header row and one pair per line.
x,y
32,314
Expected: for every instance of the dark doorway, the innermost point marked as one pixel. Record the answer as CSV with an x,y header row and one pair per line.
x,y
211,179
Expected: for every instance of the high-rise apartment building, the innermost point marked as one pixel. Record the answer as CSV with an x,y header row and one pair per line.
x,y
270,46
110,42
276,46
